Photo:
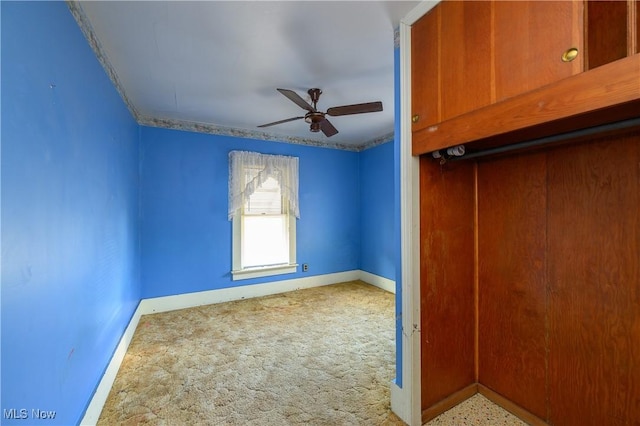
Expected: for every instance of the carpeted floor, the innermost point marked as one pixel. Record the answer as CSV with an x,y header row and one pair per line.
x,y
321,356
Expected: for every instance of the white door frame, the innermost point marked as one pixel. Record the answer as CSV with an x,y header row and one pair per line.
x,y
406,401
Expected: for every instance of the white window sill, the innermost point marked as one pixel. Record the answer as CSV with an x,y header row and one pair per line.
x,y
263,271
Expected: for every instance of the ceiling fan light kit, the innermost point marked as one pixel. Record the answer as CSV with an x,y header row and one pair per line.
x,y
317,119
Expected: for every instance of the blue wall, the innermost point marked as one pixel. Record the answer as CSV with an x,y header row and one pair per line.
x,y
70,269
186,237
98,212
377,232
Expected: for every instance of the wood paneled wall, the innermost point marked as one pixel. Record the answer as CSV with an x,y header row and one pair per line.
x,y
558,279
512,287
594,282
447,279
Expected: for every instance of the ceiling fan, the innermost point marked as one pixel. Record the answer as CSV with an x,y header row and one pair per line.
x,y
317,119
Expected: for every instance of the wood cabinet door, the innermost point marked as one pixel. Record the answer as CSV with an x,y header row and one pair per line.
x,y
530,38
468,54
465,56
425,80
451,61
635,25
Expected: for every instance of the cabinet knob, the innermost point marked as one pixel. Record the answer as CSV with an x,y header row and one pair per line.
x,y
415,118
570,54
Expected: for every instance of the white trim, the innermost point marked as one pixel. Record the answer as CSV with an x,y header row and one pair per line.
x,y
378,281
237,233
263,271
406,401
418,12
92,414
190,300
400,402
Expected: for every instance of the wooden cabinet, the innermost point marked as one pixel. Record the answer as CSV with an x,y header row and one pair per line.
x,y
469,54
603,95
487,71
465,57
634,17
529,262
529,39
425,80
451,61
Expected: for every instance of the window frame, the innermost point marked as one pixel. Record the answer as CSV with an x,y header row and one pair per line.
x,y
240,273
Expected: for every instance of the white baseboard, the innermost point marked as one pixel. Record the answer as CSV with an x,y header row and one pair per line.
x,y
190,300
400,404
378,281
104,387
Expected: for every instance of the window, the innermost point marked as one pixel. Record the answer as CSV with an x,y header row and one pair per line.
x,y
263,205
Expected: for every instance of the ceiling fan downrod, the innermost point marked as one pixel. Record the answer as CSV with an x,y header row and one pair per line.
x,y
315,96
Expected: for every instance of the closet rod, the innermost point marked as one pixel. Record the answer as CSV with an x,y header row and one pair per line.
x,y
620,125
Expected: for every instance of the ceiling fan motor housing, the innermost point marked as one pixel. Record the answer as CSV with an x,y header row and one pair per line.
x,y
314,119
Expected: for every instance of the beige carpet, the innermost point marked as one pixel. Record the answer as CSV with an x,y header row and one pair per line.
x,y
322,356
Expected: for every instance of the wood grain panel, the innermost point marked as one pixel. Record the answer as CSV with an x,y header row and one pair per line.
x,y
425,79
636,25
633,35
606,31
530,38
465,56
570,104
512,279
594,279
446,278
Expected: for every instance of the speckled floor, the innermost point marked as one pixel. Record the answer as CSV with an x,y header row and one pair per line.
x,y
476,411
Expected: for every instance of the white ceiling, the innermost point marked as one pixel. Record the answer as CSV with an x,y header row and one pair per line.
x,y
214,66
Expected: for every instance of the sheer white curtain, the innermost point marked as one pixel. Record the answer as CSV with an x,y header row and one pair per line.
x,y
249,170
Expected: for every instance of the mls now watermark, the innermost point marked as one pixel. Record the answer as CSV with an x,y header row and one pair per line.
x,y
23,414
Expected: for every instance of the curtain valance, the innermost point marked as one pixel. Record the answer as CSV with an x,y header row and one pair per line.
x,y
249,170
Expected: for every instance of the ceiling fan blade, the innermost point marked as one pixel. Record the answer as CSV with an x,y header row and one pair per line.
x,y
327,128
280,122
295,98
355,109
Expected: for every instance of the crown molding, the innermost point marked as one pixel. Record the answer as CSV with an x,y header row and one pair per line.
x,y
168,123
85,26
212,129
